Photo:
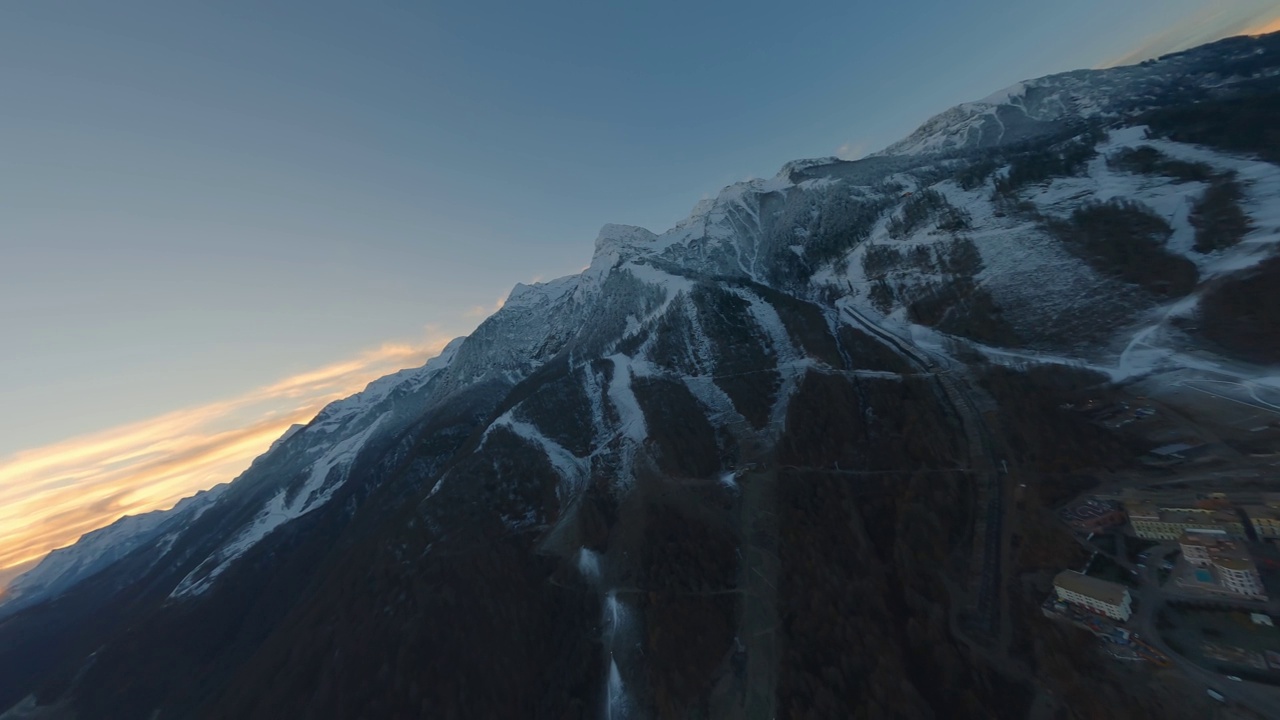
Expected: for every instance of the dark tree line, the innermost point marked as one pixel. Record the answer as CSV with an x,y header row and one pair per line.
x,y
1219,220
1126,239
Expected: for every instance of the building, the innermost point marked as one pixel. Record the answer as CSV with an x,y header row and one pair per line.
x,y
1099,596
1092,515
1151,522
1220,565
1240,576
1264,519
1197,545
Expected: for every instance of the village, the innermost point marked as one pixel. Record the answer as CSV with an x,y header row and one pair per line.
x,y
1177,577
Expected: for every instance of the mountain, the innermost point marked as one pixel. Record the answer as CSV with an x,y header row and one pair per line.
x,y
756,465
1042,107
97,550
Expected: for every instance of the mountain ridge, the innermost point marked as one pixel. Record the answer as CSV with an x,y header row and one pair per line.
x,y
787,331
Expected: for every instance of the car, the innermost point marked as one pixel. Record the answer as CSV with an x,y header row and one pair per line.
x,y
1233,677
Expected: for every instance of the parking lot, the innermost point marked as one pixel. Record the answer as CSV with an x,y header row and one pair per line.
x,y
1227,640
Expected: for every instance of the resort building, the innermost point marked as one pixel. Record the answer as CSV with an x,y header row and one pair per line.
x,y
1197,545
1220,565
1099,596
1168,523
1265,519
1240,576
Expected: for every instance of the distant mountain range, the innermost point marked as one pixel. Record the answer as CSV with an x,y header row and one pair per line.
x,y
747,467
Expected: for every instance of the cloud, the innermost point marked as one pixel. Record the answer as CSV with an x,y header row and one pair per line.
x,y
1264,27
480,312
851,151
50,496
1213,23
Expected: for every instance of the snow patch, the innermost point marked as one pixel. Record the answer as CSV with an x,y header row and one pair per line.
x,y
280,509
631,417
569,467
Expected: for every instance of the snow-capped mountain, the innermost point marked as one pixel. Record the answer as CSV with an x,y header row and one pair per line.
x,y
1048,105
740,465
101,548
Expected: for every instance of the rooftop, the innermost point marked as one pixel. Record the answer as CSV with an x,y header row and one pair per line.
x,y
1142,510
1261,512
1101,590
1233,563
1223,552
1181,515
1211,538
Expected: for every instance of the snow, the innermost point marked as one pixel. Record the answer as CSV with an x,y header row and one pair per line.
x,y
1111,92
1006,95
1040,285
700,345
572,469
631,417
541,294
1030,275
767,319
796,166
340,412
589,564
616,707
612,234
96,550
285,506
617,639
674,284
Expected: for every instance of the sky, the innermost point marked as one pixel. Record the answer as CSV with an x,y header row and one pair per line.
x,y
216,217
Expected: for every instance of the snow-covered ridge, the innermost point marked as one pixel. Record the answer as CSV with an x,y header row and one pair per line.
x,y
1037,107
725,235
540,293
338,433
324,477
356,417
795,166
96,550
403,381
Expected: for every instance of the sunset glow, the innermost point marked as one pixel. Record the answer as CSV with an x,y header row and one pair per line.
x,y
1212,23
1265,27
50,496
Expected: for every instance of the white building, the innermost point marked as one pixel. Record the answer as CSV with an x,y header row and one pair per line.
x,y
1221,565
1240,576
1099,596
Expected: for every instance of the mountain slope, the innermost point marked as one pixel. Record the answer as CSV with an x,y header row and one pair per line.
x,y
747,466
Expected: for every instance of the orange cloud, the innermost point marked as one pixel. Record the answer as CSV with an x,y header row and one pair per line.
x,y
1265,27
52,495
1215,22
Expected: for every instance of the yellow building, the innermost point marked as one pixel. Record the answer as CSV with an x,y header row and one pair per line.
x,y
1168,523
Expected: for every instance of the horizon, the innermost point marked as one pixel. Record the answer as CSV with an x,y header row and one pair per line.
x,y
206,415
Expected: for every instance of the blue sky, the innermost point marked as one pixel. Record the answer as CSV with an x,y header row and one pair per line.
x,y
199,199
